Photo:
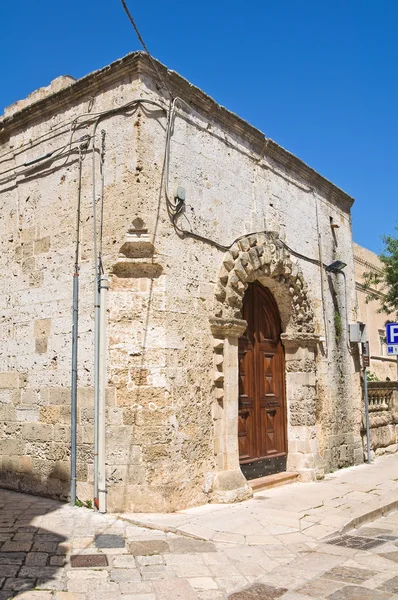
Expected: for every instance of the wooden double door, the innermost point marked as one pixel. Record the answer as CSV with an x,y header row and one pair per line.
x,y
262,406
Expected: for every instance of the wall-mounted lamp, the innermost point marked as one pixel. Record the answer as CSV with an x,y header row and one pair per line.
x,y
336,267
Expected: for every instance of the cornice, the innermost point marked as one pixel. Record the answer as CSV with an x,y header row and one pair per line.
x,y
138,63
369,290
367,264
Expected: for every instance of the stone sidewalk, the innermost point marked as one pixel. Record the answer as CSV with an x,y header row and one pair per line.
x,y
51,551
298,512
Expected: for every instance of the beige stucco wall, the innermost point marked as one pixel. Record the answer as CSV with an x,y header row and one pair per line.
x,y
382,366
167,428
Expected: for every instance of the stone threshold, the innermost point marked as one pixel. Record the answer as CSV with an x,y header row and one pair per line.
x,y
272,481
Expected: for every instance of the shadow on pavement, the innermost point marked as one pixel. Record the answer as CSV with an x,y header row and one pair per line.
x,y
30,556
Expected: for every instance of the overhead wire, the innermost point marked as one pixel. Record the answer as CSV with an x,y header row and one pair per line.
x,y
153,63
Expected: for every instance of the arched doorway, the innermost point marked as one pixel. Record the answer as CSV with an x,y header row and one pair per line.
x,y
262,406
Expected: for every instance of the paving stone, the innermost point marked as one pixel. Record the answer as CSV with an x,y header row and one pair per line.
x,y
124,561
155,559
148,547
258,591
181,559
211,595
58,561
16,547
66,596
349,574
12,558
36,559
64,548
83,574
192,570
43,546
203,583
9,570
19,584
391,585
109,541
319,588
390,555
156,572
186,545
23,537
123,575
139,597
355,592
174,589
36,572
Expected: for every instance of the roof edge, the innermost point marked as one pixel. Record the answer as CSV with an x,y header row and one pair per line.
x,y
139,63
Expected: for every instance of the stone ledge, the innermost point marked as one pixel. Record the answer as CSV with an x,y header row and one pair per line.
x,y
304,340
222,328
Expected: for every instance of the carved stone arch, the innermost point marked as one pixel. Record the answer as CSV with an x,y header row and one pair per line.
x,y
253,258
265,258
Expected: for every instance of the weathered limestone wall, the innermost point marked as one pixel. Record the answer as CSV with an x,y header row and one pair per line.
x,y
169,431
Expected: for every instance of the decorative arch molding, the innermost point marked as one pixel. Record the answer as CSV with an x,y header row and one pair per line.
x,y
265,258
253,258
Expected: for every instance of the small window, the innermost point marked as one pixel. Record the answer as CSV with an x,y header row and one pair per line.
x,y
382,342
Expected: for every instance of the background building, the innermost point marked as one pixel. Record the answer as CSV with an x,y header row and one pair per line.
x,y
381,365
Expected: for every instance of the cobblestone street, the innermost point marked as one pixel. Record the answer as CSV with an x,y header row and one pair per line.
x,y
51,551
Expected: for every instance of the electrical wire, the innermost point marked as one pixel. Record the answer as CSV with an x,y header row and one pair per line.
x,y
73,126
162,82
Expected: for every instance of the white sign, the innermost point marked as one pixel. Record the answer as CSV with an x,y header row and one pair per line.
x,y
391,334
392,349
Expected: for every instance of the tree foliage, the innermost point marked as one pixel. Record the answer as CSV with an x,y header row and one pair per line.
x,y
387,278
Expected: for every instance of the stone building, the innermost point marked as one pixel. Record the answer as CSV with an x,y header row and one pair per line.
x,y
227,350
381,365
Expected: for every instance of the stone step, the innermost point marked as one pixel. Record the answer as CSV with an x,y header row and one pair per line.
x,y
271,481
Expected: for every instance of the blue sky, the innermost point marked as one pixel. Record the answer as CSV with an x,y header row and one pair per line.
x,y
319,77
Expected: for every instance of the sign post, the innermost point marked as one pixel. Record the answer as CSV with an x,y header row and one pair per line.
x,y
365,364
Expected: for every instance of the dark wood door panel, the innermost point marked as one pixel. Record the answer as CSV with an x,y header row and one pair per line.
x,y
262,411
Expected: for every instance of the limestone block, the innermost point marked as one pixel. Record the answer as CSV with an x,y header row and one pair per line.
x,y
143,396
41,246
42,327
218,344
6,396
59,395
12,447
7,413
50,414
26,413
41,345
9,380
219,393
218,376
17,464
37,432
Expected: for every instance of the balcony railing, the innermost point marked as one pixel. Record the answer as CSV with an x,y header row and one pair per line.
x,y
382,395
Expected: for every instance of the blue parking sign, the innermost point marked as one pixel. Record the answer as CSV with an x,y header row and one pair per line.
x,y
392,334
